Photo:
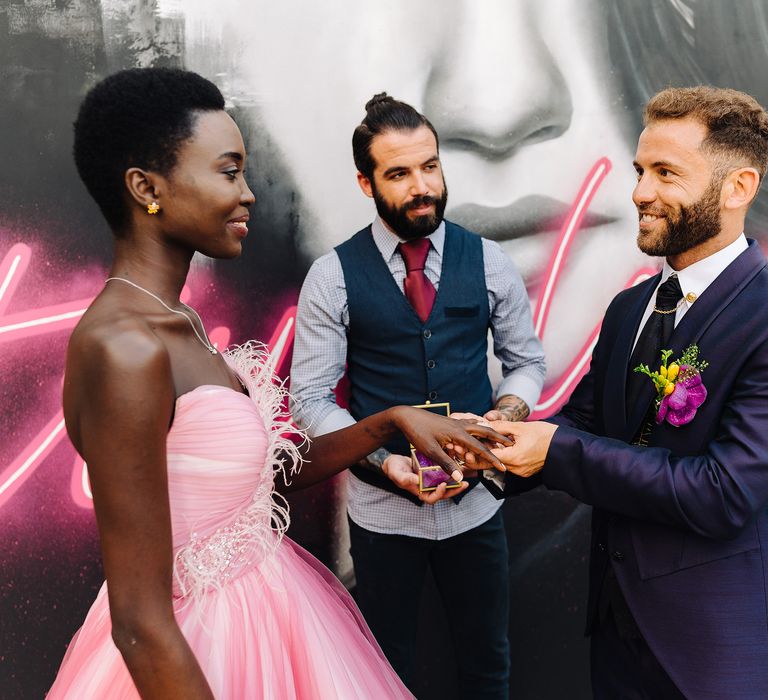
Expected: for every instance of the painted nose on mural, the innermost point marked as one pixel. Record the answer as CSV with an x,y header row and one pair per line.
x,y
497,87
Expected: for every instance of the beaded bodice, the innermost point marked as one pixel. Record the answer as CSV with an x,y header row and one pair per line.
x,y
223,450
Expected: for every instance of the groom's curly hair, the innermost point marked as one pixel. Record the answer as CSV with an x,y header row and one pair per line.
x,y
737,124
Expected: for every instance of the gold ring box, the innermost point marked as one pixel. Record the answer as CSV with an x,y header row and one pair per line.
x,y
431,475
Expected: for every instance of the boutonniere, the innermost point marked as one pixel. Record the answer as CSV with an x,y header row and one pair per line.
x,y
679,386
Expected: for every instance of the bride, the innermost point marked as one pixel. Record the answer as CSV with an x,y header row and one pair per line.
x,y
204,596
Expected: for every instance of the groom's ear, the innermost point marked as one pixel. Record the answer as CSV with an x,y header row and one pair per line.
x,y
740,187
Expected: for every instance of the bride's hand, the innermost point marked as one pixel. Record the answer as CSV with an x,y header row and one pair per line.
x,y
430,434
472,463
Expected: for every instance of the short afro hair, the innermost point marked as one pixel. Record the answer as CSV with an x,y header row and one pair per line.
x,y
136,118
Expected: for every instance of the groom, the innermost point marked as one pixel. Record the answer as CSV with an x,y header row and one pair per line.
x,y
679,561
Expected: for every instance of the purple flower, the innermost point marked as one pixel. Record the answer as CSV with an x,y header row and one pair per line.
x,y
679,407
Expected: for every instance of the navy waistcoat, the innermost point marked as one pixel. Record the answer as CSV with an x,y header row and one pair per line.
x,y
395,358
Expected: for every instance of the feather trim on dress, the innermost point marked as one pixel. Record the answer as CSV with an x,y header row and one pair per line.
x,y
210,562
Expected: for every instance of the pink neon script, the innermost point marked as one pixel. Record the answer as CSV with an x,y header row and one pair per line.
x,y
555,396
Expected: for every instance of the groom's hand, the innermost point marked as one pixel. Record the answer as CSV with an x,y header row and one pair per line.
x,y
471,417
472,463
399,469
529,452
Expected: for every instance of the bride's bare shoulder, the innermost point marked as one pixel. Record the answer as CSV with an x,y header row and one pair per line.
x,y
111,338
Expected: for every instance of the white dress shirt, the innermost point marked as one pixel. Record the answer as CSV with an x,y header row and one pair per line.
x,y
695,278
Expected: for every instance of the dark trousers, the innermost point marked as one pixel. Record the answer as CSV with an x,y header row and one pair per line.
x,y
472,575
624,668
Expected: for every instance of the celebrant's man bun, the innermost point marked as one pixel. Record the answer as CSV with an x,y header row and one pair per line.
x,y
383,113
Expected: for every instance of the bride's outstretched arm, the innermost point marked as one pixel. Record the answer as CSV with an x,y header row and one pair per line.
x,y
331,453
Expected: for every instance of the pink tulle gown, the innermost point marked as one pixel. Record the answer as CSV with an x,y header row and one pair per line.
x,y
263,617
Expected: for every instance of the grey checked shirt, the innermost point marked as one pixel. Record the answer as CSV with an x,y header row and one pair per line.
x,y
319,359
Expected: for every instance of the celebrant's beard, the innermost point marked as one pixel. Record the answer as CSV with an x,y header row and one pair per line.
x,y
397,217
687,228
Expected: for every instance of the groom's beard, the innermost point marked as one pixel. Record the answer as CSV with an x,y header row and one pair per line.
x,y
405,227
686,228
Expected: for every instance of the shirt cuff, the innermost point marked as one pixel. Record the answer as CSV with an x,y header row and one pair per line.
x,y
522,386
336,419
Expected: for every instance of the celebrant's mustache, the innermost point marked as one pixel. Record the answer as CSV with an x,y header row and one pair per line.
x,y
420,201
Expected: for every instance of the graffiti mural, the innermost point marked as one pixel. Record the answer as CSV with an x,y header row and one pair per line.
x,y
538,108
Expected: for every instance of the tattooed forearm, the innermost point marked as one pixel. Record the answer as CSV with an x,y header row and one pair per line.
x,y
374,460
512,407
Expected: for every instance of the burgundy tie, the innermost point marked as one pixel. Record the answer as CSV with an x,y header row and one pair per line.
x,y
418,289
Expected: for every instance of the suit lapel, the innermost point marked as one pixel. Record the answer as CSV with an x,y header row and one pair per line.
x,y
717,297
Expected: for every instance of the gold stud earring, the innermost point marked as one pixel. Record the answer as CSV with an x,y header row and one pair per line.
x,y
153,208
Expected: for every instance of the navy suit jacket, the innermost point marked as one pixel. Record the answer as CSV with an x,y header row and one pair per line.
x,y
684,520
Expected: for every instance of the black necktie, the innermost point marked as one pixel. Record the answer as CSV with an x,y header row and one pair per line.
x,y
653,338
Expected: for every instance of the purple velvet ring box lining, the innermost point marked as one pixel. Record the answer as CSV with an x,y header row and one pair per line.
x,y
430,475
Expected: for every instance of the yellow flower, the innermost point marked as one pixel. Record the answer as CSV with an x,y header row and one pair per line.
x,y
673,371
669,388
663,371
